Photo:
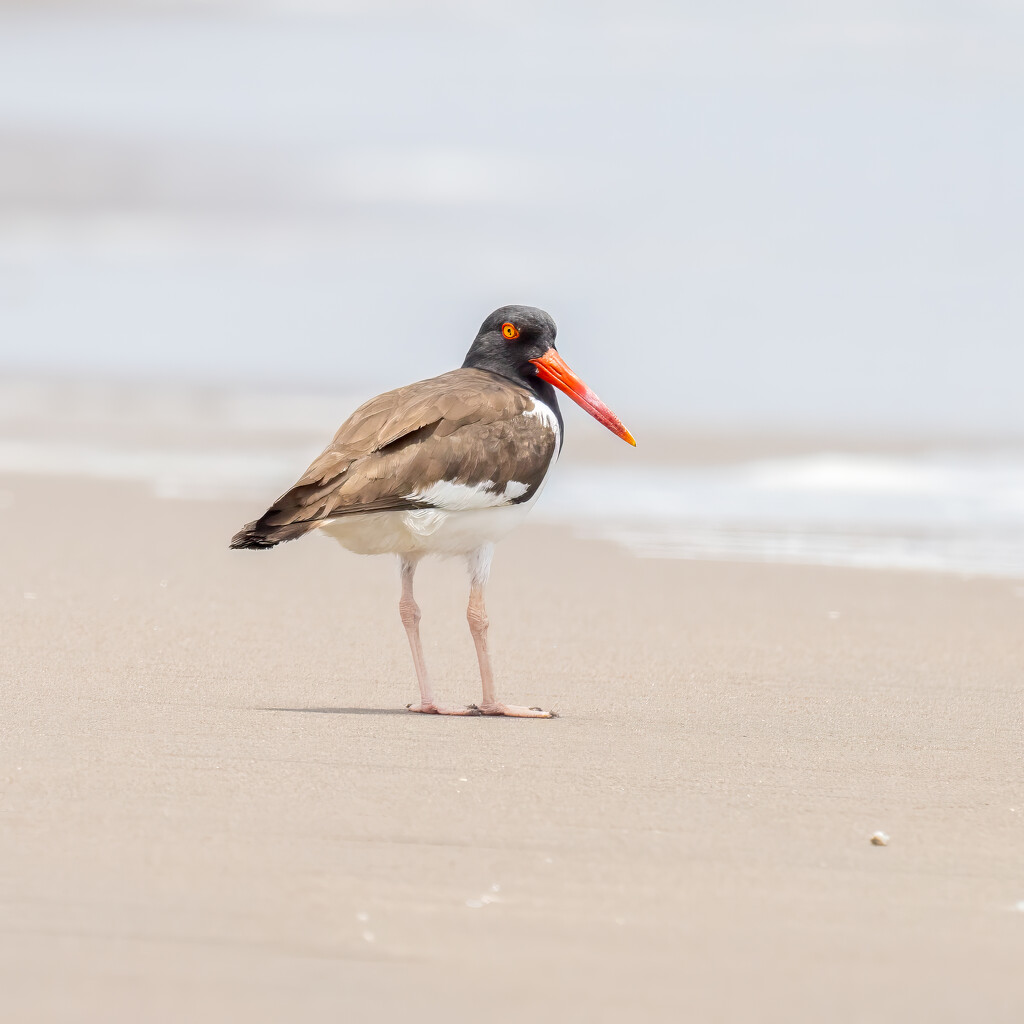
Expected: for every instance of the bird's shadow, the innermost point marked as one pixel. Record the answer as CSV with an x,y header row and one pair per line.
x,y
340,711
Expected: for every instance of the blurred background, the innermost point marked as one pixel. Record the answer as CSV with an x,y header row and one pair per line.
x,y
782,240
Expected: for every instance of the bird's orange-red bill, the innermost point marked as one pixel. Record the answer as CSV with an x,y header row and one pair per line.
x,y
555,370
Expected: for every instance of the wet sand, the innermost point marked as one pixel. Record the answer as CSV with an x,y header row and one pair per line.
x,y
213,806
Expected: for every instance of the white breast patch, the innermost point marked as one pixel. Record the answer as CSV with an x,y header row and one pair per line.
x,y
547,416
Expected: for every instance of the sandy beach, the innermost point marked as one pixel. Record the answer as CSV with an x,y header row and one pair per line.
x,y
214,808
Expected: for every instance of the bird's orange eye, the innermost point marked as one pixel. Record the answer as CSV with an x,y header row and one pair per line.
x,y
509,330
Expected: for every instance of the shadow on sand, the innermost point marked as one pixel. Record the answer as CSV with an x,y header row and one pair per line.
x,y
341,711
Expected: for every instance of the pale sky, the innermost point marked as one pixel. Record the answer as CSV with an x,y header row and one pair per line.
x,y
740,214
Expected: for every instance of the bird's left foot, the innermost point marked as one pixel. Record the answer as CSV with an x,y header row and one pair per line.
x,y
512,711
434,709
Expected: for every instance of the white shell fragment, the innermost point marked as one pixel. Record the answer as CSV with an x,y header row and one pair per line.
x,y
880,839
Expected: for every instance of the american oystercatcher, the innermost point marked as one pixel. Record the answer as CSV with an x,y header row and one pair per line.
x,y
446,466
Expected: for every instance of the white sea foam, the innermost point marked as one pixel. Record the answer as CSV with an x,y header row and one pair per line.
x,y
956,512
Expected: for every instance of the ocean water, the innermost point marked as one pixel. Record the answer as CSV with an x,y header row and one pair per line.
x,y
947,511
958,510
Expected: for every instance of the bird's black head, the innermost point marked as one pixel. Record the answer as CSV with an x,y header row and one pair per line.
x,y
518,342
509,339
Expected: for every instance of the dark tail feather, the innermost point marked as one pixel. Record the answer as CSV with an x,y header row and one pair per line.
x,y
262,534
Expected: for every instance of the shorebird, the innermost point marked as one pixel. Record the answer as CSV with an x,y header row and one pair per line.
x,y
446,466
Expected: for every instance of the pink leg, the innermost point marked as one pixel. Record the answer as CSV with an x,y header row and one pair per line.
x,y
478,623
410,612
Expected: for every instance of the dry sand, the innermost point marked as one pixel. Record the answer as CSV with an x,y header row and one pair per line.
x,y
214,808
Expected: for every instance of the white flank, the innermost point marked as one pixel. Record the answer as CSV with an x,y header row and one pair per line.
x,y
453,497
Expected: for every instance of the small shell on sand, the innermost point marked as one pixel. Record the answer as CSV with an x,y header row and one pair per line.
x,y
879,839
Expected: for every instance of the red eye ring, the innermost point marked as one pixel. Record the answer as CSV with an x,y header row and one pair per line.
x,y
510,331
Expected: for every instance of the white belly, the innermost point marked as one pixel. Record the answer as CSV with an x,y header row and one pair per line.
x,y
426,531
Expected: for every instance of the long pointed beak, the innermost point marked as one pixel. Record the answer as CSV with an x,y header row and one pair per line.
x,y
555,370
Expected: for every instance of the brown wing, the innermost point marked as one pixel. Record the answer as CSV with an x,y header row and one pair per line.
x,y
464,427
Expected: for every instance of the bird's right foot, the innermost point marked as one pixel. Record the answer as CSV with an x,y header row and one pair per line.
x,y
513,711
434,709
